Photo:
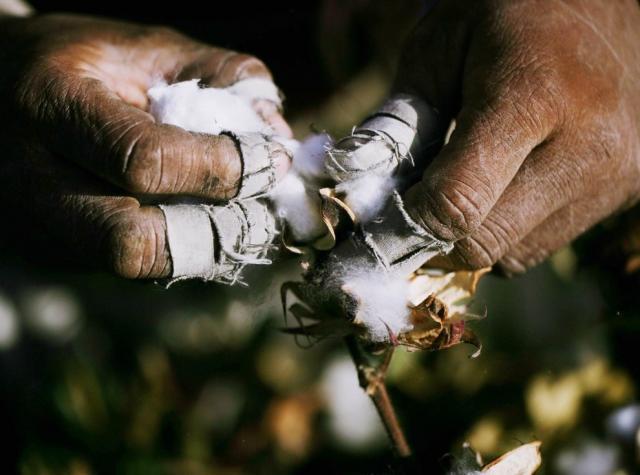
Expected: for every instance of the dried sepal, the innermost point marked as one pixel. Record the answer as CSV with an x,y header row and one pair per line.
x,y
312,323
334,212
453,288
289,243
440,310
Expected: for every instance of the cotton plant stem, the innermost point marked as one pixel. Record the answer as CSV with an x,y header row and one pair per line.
x,y
371,379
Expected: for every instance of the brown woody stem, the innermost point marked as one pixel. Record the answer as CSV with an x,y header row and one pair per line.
x,y
371,379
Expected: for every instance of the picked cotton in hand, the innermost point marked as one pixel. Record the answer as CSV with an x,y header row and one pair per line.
x,y
205,110
308,159
299,207
297,202
217,110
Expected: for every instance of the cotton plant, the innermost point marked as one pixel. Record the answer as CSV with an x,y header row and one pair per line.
x,y
363,274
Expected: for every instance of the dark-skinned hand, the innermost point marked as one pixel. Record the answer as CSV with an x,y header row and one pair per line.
x,y
82,160
546,98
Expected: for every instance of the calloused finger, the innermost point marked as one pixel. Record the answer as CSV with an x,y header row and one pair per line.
x,y
551,178
126,146
558,230
63,210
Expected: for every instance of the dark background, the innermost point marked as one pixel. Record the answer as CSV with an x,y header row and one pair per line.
x,y
106,376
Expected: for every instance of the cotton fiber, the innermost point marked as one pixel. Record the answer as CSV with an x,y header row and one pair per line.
x,y
205,110
382,304
367,195
299,207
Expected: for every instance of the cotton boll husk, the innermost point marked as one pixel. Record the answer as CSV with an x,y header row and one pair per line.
x,y
299,207
204,110
308,159
366,196
437,283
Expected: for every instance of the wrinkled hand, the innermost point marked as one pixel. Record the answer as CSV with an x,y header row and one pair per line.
x,y
82,158
546,97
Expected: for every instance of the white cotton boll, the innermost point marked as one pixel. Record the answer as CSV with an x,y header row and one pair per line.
x,y
353,420
308,159
298,207
204,110
381,300
366,196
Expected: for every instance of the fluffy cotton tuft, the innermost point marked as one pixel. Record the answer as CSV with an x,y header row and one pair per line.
x,y
205,110
366,196
381,300
216,110
299,207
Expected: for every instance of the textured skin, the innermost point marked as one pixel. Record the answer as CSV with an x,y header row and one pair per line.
x,y
81,157
546,95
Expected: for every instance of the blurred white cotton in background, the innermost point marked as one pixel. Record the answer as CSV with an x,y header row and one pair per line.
x,y
219,405
588,458
9,324
353,419
52,313
624,423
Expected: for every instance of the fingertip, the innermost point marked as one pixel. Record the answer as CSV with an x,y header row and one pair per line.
x,y
270,113
279,125
281,163
135,244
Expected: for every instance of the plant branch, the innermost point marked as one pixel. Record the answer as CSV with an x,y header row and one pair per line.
x,y
371,378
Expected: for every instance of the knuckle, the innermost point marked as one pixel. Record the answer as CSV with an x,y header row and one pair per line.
x,y
140,163
129,247
228,172
225,175
42,91
451,212
499,231
474,254
242,66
